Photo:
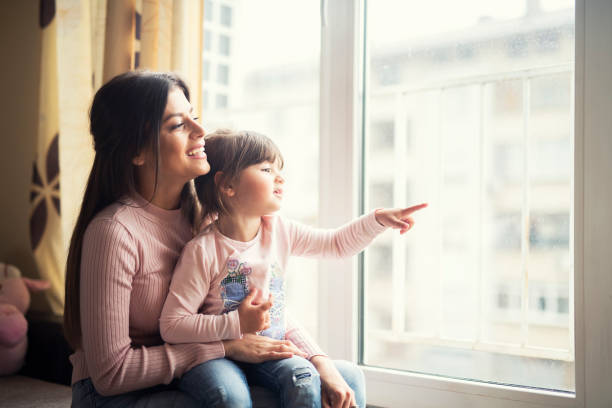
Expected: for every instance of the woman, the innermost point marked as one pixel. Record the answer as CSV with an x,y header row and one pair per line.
x,y
135,219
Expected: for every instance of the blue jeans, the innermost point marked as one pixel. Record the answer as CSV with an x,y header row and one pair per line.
x,y
225,383
85,395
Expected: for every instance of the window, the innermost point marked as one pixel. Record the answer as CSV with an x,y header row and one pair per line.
x,y
489,108
549,231
563,305
381,194
269,83
221,101
589,214
205,100
226,16
206,70
224,45
208,40
208,10
222,74
504,101
382,135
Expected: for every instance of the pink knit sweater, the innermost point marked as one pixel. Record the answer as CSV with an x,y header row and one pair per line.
x,y
129,252
215,273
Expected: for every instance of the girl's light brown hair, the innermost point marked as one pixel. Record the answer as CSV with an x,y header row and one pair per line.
x,y
231,152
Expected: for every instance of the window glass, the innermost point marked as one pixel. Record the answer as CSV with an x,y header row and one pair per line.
x,y
226,15
206,70
221,101
205,99
224,45
270,84
222,74
208,10
469,108
207,40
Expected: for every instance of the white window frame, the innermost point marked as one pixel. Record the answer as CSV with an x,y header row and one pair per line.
x,y
340,130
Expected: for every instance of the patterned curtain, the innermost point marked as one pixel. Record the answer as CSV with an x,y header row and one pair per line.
x,y
160,35
45,224
85,43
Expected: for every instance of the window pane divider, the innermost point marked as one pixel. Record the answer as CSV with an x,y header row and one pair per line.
x,y
399,196
525,217
481,200
474,79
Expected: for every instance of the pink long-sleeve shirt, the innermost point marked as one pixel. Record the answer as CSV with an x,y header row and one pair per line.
x,y
129,252
215,273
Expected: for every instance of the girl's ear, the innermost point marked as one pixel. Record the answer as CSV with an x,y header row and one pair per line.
x,y
221,183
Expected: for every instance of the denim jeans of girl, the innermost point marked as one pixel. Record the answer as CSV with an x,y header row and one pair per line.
x,y
225,383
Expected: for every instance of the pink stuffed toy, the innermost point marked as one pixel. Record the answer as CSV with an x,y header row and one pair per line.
x,y
14,302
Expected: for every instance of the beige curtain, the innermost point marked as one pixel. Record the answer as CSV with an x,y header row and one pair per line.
x,y
45,223
160,35
85,43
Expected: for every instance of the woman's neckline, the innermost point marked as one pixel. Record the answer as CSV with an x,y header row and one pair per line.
x,y
154,211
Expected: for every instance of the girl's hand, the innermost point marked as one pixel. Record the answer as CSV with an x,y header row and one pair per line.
x,y
398,218
252,348
254,317
335,392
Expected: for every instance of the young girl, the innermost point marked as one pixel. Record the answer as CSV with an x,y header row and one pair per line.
x,y
229,280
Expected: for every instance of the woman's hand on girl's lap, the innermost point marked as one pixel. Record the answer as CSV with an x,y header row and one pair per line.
x,y
252,348
398,218
335,392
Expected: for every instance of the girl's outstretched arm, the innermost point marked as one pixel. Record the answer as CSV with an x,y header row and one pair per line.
x,y
347,240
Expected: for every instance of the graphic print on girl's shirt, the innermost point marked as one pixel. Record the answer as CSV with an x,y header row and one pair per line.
x,y
277,311
235,285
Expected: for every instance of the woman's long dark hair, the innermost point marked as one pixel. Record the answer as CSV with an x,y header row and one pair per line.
x,y
125,118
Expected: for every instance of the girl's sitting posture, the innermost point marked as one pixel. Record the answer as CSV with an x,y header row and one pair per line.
x,y
229,280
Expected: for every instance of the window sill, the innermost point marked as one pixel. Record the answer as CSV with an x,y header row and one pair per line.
x,y
390,388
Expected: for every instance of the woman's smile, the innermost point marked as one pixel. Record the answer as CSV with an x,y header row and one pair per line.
x,y
197,152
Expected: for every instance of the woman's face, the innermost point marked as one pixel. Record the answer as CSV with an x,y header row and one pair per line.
x,y
181,140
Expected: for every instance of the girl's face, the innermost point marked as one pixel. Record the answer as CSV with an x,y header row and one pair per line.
x,y
181,139
258,190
